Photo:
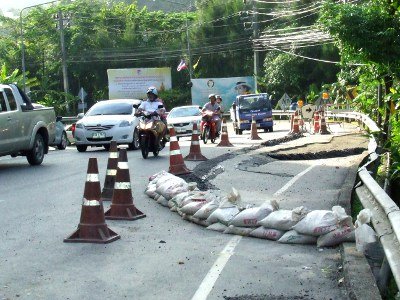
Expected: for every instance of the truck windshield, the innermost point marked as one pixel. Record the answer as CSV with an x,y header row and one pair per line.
x,y
254,103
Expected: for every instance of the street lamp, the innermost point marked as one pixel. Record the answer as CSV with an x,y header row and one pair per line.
x,y
187,33
22,40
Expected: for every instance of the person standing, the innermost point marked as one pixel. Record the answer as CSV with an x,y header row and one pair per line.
x,y
219,102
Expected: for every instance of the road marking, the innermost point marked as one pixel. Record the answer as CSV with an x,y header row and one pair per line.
x,y
292,181
212,276
208,282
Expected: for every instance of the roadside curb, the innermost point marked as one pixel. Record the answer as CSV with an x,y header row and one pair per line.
x,y
355,265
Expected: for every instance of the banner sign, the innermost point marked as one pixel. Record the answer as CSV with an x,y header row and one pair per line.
x,y
133,83
228,88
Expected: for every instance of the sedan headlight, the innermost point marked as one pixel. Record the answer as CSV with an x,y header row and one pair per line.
x,y
125,123
79,125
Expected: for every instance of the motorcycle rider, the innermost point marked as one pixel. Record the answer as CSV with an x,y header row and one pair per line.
x,y
213,106
151,105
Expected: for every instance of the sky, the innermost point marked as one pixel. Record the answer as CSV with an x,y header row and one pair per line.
x,y
5,5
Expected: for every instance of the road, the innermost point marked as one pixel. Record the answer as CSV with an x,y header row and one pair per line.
x,y
163,256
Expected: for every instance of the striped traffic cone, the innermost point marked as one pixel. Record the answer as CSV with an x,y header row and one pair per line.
x,y
254,135
296,128
224,135
122,207
316,121
176,164
323,129
195,152
92,227
108,189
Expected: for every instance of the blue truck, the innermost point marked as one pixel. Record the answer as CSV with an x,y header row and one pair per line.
x,y
247,107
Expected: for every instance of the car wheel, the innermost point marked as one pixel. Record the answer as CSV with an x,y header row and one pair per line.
x,y
107,147
81,148
36,154
271,129
136,140
64,141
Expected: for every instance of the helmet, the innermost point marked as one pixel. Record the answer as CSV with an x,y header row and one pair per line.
x,y
211,95
218,96
152,90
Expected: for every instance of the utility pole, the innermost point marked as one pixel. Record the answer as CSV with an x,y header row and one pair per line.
x,y
255,37
64,58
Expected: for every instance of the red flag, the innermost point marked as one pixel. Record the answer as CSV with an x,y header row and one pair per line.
x,y
182,65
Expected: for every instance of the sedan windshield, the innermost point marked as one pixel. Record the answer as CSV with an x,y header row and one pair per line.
x,y
110,108
184,112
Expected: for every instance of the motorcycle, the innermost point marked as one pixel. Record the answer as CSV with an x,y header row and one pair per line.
x,y
151,133
208,127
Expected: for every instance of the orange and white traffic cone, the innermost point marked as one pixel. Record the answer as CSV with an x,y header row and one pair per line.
x,y
195,152
316,121
176,164
122,207
108,189
92,227
296,128
323,129
254,135
224,135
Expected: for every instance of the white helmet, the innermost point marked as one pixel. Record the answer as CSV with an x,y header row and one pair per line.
x,y
211,95
152,90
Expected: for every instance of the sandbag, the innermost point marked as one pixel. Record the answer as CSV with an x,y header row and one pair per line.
x,y
177,200
172,187
193,197
223,215
317,222
293,237
267,233
365,234
161,200
151,190
250,216
243,231
192,207
205,211
195,220
336,237
158,175
217,227
280,220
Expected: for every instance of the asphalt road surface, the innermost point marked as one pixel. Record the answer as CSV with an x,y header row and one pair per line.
x,y
162,256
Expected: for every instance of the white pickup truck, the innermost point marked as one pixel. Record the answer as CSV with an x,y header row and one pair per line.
x,y
24,130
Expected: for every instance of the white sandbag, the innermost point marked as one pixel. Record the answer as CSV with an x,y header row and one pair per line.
x,y
280,219
317,222
223,215
298,213
192,207
243,231
267,233
157,196
336,237
172,187
153,178
161,200
293,237
365,234
217,227
195,220
164,177
340,213
205,211
177,200
195,196
250,216
151,190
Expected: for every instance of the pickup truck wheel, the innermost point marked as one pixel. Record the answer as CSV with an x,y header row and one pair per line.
x,y
36,154
81,148
64,141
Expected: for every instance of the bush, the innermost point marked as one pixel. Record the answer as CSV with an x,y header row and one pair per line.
x,y
175,97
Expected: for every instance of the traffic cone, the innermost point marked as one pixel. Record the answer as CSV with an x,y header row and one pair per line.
x,y
108,189
254,134
176,164
316,122
92,227
224,135
195,152
323,129
122,207
296,128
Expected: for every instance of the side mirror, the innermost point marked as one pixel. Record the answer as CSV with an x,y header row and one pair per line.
x,y
80,115
161,106
136,106
200,107
58,118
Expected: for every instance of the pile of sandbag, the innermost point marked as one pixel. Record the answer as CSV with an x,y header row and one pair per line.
x,y
229,214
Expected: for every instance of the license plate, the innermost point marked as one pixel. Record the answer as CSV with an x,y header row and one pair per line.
x,y
180,130
99,135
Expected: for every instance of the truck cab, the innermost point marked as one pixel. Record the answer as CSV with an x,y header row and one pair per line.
x,y
247,107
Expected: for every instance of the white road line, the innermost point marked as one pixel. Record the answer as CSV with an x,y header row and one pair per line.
x,y
208,282
212,276
292,181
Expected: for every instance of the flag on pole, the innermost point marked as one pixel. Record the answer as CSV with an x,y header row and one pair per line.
x,y
182,65
196,64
